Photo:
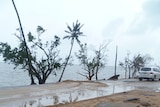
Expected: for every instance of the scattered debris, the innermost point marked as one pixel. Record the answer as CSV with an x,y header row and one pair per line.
x,y
114,77
131,99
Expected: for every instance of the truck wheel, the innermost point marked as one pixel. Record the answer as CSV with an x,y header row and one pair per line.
x,y
154,78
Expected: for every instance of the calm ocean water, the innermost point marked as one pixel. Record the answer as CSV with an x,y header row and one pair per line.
x,y
18,77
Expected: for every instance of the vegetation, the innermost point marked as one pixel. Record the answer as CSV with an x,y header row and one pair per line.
x,y
135,64
101,56
41,66
41,59
140,61
92,64
74,34
27,51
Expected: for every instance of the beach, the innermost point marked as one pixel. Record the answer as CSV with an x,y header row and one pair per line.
x,y
71,93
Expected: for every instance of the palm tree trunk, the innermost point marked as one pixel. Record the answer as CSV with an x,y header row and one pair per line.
x,y
72,42
97,68
98,61
32,80
26,47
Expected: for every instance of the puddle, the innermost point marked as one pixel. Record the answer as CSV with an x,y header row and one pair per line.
x,y
70,95
149,88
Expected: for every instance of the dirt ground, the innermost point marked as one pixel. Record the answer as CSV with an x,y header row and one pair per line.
x,y
135,98
142,96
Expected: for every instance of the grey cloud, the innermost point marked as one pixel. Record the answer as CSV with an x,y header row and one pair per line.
x,y
139,26
112,27
152,12
148,20
152,7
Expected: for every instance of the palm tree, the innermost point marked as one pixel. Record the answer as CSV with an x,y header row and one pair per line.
x,y
74,34
25,44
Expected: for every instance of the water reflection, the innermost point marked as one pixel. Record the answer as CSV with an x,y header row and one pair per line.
x,y
75,94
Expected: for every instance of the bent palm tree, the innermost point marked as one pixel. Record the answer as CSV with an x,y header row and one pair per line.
x,y
25,45
73,35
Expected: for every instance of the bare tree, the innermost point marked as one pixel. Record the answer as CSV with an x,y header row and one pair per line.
x,y
140,61
92,65
135,63
101,56
126,65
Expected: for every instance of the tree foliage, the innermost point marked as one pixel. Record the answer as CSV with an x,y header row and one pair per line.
x,y
101,56
41,65
140,61
135,63
93,64
27,51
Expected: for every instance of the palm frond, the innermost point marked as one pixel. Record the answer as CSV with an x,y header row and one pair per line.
x,y
80,33
77,22
75,28
80,27
73,25
69,28
79,42
68,32
67,37
74,32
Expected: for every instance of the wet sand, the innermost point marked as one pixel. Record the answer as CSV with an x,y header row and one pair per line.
x,y
135,98
41,95
84,94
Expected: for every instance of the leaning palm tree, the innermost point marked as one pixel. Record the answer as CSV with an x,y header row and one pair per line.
x,y
74,34
25,45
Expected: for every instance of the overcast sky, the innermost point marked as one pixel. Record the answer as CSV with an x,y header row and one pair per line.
x,y
132,25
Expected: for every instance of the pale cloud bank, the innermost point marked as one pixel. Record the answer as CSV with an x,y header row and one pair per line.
x,y
133,25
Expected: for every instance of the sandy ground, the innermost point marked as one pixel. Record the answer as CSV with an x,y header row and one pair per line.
x,y
38,95
135,98
120,93
144,95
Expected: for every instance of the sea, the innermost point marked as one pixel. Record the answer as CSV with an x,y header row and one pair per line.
x,y
10,77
